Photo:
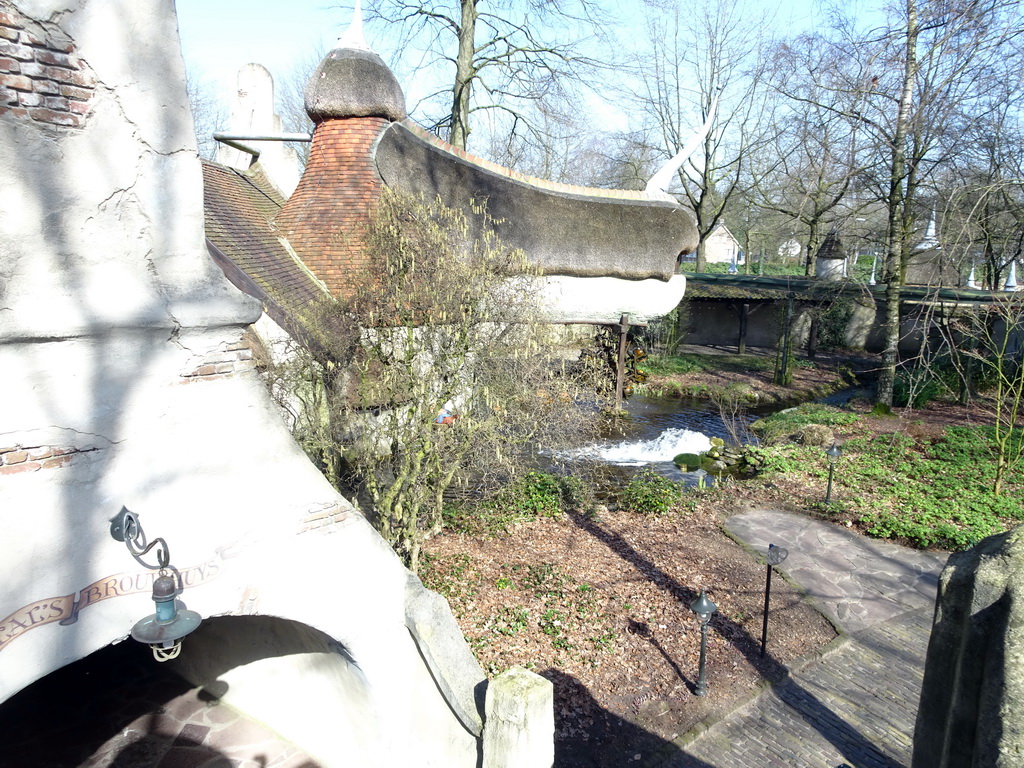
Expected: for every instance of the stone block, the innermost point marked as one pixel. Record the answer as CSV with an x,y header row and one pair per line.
x,y
16,51
970,713
47,87
56,59
10,20
519,724
30,99
56,118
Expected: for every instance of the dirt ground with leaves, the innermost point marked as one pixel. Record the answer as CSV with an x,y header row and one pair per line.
x,y
598,604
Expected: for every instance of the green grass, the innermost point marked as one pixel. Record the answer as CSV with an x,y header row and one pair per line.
x,y
778,425
664,365
535,494
649,493
926,494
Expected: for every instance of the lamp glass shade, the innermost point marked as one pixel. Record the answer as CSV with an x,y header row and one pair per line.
x,y
834,453
703,607
152,631
168,625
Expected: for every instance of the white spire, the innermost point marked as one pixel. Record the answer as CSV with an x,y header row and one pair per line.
x,y
1011,280
930,241
972,281
353,36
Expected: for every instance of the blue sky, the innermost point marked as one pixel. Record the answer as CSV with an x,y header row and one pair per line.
x,y
220,36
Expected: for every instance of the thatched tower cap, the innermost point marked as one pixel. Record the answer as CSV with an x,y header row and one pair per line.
x,y
353,81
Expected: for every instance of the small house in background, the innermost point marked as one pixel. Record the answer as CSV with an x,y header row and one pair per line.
x,y
722,247
790,249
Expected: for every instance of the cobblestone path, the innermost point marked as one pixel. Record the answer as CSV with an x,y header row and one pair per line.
x,y
855,707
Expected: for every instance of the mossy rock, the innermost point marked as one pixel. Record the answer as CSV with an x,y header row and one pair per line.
x,y
758,426
712,465
717,442
687,461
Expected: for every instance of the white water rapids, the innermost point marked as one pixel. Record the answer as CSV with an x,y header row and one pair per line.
x,y
663,448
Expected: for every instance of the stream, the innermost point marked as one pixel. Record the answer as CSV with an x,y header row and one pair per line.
x,y
657,430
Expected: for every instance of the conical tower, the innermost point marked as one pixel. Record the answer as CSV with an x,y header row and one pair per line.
x,y
351,98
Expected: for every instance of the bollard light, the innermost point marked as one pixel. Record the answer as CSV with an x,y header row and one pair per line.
x,y
161,631
833,454
775,556
704,609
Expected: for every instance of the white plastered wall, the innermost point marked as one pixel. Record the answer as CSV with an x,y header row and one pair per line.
x,y
110,309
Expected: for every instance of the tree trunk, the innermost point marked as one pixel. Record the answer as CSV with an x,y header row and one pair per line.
x,y
812,249
464,74
898,203
702,259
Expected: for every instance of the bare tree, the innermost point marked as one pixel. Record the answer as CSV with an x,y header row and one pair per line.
x,y
699,54
209,113
912,87
436,373
988,349
815,157
495,55
981,190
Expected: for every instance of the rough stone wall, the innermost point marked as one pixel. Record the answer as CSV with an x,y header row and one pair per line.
x,y
326,217
970,712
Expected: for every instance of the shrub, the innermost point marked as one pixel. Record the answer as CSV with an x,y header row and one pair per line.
x,y
650,493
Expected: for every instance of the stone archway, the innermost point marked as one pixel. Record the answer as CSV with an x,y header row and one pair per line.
x,y
118,707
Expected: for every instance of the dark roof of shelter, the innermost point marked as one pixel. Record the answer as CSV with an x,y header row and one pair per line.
x,y
831,247
239,208
774,288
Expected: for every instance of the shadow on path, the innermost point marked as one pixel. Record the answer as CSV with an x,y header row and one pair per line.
x,y
805,706
610,741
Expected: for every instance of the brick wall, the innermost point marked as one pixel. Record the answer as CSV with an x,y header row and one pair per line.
x,y
15,459
326,217
324,519
231,358
41,79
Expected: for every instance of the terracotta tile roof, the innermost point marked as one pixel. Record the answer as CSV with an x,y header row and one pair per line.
x,y
239,209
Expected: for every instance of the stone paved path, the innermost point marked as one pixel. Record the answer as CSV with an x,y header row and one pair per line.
x,y
856,706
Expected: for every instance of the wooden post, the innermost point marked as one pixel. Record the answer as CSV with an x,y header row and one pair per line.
x,y
783,376
741,346
620,369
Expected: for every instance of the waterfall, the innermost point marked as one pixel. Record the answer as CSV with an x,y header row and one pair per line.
x,y
663,448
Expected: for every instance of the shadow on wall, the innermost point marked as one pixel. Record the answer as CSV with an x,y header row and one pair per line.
x,y
118,707
88,200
